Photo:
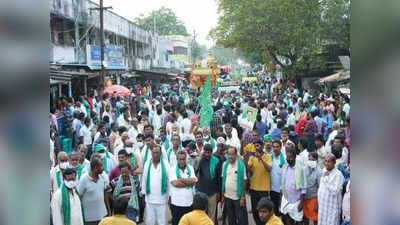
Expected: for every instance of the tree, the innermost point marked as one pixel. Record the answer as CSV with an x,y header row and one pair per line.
x,y
224,56
164,21
290,33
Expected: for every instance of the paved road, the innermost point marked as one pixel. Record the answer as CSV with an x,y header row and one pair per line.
x,y
248,204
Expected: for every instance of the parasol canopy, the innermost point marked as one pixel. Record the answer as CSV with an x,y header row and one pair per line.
x,y
117,90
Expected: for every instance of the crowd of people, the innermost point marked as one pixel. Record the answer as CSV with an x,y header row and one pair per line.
x,y
145,158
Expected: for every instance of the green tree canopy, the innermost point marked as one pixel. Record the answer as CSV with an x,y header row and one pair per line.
x,y
290,33
164,21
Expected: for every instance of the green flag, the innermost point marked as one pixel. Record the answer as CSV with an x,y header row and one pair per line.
x,y
206,111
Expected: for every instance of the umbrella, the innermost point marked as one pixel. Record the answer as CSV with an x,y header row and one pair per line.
x,y
117,90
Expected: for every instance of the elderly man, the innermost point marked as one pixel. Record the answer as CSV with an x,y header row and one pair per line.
x,y
234,182
56,176
294,186
231,139
66,206
173,149
330,193
207,139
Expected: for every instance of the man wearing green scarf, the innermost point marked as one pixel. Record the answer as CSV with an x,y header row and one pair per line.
x,y
66,205
155,187
125,186
209,173
182,179
108,161
173,150
294,186
234,182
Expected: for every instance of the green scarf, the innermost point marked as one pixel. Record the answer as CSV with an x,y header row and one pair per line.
x,y
195,161
146,155
240,177
282,159
105,162
133,159
58,176
66,205
164,182
79,171
213,164
170,151
300,178
166,143
133,200
179,175
212,142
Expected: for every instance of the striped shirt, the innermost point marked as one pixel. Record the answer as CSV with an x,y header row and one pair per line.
x,y
125,190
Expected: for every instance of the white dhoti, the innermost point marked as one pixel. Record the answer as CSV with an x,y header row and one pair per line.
x,y
291,209
156,212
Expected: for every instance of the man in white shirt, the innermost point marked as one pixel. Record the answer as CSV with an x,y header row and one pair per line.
x,y
133,130
332,135
303,156
230,139
56,173
321,150
234,182
346,108
185,125
182,180
74,207
123,120
86,136
155,188
108,113
291,119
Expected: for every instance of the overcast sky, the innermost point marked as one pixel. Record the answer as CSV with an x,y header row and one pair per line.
x,y
197,15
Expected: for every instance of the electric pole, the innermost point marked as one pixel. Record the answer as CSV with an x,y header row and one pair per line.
x,y
102,72
102,44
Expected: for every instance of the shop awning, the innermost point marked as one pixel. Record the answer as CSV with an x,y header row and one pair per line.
x,y
342,75
98,67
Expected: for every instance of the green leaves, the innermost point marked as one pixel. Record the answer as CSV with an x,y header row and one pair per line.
x,y
283,31
164,22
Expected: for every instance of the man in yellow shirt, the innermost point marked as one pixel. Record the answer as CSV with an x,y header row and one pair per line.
x,y
198,216
265,209
120,206
260,165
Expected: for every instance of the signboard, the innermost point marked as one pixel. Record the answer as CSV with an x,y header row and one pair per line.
x,y
248,117
229,88
113,59
250,79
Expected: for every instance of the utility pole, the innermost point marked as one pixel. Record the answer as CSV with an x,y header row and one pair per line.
x,y
101,9
193,44
102,44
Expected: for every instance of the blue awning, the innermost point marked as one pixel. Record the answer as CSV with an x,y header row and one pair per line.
x,y
98,67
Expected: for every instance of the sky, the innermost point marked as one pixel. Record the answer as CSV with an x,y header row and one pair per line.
x,y
197,15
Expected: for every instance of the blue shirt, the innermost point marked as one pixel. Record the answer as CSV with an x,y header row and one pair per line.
x,y
320,122
262,128
276,133
276,175
78,129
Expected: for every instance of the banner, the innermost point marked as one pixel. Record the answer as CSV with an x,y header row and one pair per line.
x,y
248,117
206,111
